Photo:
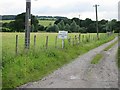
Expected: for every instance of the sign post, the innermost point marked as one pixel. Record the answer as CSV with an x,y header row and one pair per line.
x,y
96,7
63,35
27,24
63,43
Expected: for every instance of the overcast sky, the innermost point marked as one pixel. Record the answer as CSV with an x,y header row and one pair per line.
x,y
108,9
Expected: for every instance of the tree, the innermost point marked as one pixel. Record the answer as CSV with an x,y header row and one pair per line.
x,y
67,28
19,23
41,28
35,22
61,25
8,27
102,28
73,27
77,20
78,28
83,30
53,28
66,21
57,21
113,24
85,23
32,28
56,28
91,28
8,17
103,22
117,29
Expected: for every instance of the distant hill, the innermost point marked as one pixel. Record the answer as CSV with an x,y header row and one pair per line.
x,y
12,17
50,17
8,17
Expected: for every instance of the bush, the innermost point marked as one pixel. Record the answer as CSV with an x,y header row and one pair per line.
x,y
4,29
41,28
54,28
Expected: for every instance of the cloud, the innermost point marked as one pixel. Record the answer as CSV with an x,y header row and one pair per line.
x,y
68,8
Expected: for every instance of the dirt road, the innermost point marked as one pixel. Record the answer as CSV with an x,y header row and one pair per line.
x,y
81,74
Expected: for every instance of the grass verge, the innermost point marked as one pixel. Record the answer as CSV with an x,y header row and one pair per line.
x,y
96,59
110,46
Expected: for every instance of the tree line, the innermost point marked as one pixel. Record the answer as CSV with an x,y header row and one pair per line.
x,y
70,25
8,17
88,25
12,17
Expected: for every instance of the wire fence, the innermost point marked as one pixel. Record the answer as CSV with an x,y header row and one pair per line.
x,y
53,41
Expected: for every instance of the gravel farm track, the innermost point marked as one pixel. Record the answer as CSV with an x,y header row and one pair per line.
x,y
80,73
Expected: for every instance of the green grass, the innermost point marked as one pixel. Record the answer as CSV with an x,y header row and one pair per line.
x,y
96,59
46,22
39,62
42,22
6,21
110,46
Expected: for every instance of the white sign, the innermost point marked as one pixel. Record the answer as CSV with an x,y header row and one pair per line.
x,y
62,34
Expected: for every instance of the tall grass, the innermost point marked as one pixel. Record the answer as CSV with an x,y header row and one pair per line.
x,y
39,62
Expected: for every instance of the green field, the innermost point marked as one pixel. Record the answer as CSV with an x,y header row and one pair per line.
x,y
46,22
39,61
41,22
6,21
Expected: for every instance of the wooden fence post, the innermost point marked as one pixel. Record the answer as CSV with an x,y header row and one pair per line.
x,y
16,48
34,41
75,39
92,37
83,38
56,42
79,39
99,36
46,42
69,40
89,37
63,43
